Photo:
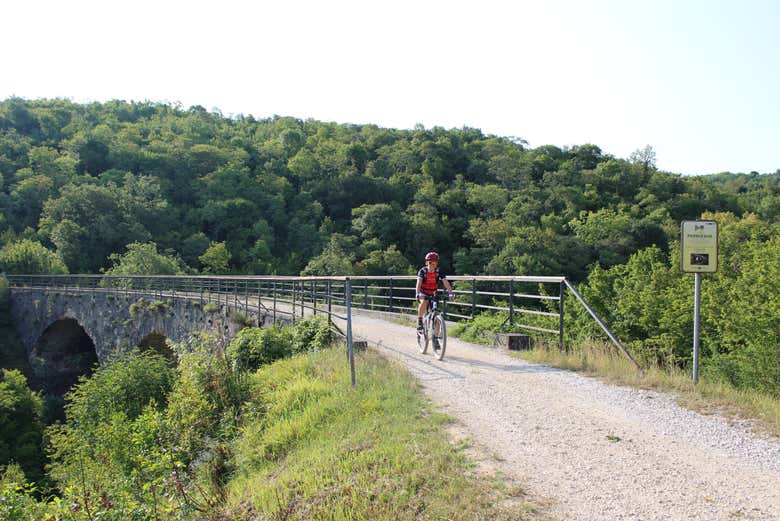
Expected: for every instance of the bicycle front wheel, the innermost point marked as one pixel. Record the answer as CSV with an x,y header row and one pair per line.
x,y
439,336
422,339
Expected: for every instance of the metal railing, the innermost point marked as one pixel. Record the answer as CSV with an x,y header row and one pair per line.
x,y
533,304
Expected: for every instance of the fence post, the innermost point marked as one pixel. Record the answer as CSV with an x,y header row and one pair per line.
x,y
314,296
351,353
273,294
391,296
473,298
259,282
365,294
562,292
292,286
511,303
330,318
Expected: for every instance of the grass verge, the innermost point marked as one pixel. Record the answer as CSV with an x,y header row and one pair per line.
x,y
708,397
318,449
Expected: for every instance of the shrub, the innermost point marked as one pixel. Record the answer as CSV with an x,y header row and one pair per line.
x,y
254,347
126,386
482,329
311,334
21,426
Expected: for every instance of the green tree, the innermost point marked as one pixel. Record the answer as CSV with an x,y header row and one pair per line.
x,y
30,258
144,259
216,258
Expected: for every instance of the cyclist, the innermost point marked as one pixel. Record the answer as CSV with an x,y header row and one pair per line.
x,y
428,283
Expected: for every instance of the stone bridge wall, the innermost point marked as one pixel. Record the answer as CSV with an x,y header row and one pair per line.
x,y
117,322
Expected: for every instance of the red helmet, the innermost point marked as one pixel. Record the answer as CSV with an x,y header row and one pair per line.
x,y
432,256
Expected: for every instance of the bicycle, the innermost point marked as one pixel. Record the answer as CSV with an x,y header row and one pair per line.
x,y
434,328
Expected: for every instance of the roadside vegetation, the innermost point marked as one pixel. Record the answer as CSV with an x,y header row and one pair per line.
x,y
268,428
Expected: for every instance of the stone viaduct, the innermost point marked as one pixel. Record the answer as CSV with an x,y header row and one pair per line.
x,y
117,322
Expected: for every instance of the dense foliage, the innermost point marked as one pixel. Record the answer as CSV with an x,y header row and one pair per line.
x,y
21,425
142,439
648,301
254,347
277,195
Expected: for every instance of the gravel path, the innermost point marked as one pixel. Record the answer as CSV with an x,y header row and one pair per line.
x,y
597,451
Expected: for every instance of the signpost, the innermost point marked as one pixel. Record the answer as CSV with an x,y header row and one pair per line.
x,y
698,254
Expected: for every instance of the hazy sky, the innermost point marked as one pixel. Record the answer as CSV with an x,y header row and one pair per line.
x,y
696,80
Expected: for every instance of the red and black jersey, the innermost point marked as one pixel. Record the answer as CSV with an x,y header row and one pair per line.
x,y
430,279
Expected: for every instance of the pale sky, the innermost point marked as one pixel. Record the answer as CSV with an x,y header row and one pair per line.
x,y
697,80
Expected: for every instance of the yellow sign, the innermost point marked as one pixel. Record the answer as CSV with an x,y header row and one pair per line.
x,y
699,246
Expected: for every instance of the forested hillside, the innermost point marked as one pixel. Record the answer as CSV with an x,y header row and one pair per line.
x,y
151,187
284,195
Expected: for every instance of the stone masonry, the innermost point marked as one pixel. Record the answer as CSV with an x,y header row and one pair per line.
x,y
117,322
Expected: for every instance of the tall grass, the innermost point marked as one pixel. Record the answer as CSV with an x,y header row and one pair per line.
x,y
709,396
318,449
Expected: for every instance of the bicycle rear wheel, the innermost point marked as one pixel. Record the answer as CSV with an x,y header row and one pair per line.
x,y
439,334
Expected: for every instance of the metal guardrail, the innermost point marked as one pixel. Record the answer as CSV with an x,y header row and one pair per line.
x,y
535,304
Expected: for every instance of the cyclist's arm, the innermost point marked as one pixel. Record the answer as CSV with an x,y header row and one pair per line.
x,y
447,285
418,289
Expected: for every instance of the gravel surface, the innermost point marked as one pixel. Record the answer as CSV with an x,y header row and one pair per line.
x,y
596,451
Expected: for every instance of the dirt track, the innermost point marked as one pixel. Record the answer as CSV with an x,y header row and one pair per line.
x,y
596,451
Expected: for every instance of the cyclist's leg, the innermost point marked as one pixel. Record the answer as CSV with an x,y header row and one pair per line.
x,y
421,311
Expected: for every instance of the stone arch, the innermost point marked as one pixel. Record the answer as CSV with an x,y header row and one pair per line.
x,y
63,352
159,343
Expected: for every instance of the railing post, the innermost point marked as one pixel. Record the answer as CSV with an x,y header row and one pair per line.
x,y
561,294
314,296
273,294
330,318
246,297
473,298
350,352
293,301
390,307
511,303
365,294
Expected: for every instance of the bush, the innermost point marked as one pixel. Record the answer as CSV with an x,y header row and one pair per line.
x,y
254,347
482,329
21,426
143,441
126,386
311,334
